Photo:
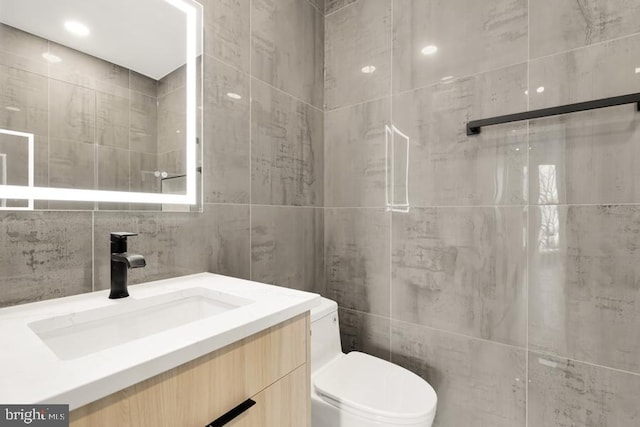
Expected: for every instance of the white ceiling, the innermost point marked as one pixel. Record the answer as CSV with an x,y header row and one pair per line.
x,y
147,36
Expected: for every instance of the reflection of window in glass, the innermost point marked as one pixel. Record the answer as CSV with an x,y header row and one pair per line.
x,y
548,184
397,176
549,235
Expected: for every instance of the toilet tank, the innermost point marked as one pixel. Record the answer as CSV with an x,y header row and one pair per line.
x,y
325,333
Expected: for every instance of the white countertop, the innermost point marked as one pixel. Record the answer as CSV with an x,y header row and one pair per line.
x,y
31,373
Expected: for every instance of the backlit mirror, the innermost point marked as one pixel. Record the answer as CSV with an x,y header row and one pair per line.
x,y
99,104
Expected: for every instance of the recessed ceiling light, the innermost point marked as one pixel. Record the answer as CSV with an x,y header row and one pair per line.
x,y
540,89
11,108
234,95
429,50
526,92
77,28
368,69
54,59
637,70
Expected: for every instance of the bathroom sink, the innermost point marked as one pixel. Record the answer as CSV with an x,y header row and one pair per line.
x,y
79,334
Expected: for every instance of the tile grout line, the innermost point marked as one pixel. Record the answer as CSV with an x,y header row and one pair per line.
x,y
445,331
316,7
250,75
392,177
490,70
526,350
287,93
340,8
582,362
49,125
561,205
433,84
596,44
250,140
129,132
93,251
527,225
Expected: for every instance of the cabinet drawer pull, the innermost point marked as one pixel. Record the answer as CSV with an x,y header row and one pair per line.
x,y
234,413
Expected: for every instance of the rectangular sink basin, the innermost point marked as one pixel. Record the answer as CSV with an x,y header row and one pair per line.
x,y
78,334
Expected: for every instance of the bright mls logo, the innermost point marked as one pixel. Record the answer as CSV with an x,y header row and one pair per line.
x,y
34,415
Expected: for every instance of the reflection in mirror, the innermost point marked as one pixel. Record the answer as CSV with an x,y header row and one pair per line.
x,y
397,169
103,90
16,165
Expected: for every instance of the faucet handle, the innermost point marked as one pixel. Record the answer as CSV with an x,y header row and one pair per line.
x,y
119,241
122,234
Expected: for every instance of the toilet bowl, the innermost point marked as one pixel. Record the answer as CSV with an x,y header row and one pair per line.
x,y
359,390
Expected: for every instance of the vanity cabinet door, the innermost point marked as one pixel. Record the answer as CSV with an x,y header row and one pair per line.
x,y
194,394
283,404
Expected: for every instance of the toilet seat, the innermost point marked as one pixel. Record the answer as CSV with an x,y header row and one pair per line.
x,y
374,389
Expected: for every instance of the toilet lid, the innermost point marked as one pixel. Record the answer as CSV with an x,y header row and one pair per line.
x,y
376,389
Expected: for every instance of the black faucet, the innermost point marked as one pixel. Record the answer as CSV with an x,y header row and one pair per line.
x,y
121,261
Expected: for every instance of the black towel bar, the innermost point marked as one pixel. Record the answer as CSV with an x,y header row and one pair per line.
x,y
474,127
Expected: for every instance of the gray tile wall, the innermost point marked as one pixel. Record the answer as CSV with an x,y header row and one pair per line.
x,y
263,165
512,285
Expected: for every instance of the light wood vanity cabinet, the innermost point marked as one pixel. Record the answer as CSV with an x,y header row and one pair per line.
x,y
271,368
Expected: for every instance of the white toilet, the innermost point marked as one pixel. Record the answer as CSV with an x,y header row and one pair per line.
x,y
358,390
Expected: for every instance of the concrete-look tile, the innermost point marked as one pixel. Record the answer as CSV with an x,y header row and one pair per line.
x,y
479,383
358,36
568,393
73,112
113,169
84,70
286,149
177,79
585,158
318,4
588,157
462,270
226,133
22,50
24,100
446,167
355,154
365,332
287,47
173,162
44,255
600,71
142,178
16,154
172,121
357,258
561,26
287,247
460,38
583,288
143,84
226,31
143,133
173,244
230,239
333,5
112,120
14,159
71,164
